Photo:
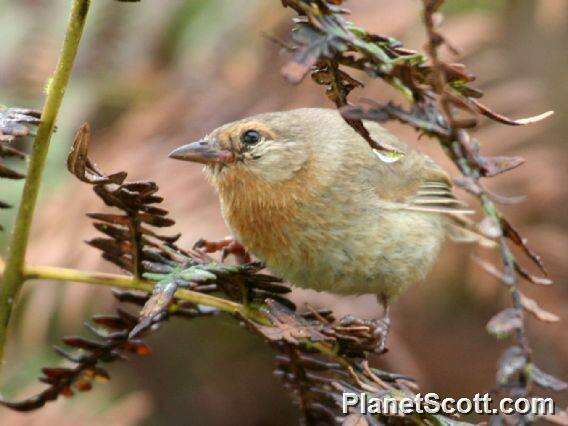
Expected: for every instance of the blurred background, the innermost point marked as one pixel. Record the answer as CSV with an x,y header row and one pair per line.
x,y
153,75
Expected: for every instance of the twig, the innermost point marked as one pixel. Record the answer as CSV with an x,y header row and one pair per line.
x,y
13,276
454,144
131,283
123,281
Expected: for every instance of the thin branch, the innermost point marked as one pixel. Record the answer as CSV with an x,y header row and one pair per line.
x,y
54,273
122,281
13,277
511,277
130,283
456,145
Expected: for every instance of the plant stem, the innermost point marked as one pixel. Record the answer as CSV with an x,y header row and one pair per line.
x,y
130,283
13,276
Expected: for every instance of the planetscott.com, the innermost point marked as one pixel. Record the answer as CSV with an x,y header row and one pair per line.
x,y
431,403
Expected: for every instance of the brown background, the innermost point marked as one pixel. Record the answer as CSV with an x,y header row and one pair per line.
x,y
154,75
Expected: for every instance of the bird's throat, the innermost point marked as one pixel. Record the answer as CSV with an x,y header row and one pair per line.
x,y
263,215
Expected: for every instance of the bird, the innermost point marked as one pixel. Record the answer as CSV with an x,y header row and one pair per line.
x,y
304,193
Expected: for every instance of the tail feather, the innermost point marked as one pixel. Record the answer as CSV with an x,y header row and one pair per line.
x,y
464,230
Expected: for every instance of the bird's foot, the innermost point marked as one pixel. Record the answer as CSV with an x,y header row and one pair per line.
x,y
382,328
377,330
226,246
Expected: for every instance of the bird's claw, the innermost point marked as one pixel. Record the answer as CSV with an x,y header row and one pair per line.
x,y
381,331
378,328
211,246
226,246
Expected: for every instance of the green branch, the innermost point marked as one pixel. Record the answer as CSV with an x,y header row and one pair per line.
x,y
14,272
131,283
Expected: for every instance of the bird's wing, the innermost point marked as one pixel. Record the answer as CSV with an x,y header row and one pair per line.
x,y
436,196
414,182
430,190
423,186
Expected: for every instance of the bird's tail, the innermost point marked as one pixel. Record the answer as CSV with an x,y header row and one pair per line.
x,y
464,230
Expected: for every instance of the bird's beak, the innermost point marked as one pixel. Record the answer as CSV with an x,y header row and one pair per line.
x,y
202,151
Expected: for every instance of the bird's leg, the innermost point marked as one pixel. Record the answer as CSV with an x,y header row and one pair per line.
x,y
227,246
378,328
382,325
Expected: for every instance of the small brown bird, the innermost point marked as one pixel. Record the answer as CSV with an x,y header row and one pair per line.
x,y
303,192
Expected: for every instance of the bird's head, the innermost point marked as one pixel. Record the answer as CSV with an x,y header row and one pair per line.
x,y
272,147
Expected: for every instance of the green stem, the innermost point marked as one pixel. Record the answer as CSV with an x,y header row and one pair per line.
x,y
13,276
129,283
132,283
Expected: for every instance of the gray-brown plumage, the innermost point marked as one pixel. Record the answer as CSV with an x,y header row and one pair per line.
x,y
306,194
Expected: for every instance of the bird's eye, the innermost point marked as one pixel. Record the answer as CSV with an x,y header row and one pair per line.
x,y
250,137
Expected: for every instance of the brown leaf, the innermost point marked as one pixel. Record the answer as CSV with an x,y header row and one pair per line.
x,y
110,321
8,151
457,72
505,322
7,173
82,343
83,385
491,166
287,326
155,307
115,232
532,306
489,227
14,122
421,116
110,218
137,347
512,362
110,246
67,392
56,373
311,46
158,221
494,271
532,278
338,86
100,374
504,120
546,381
505,199
78,162
521,242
